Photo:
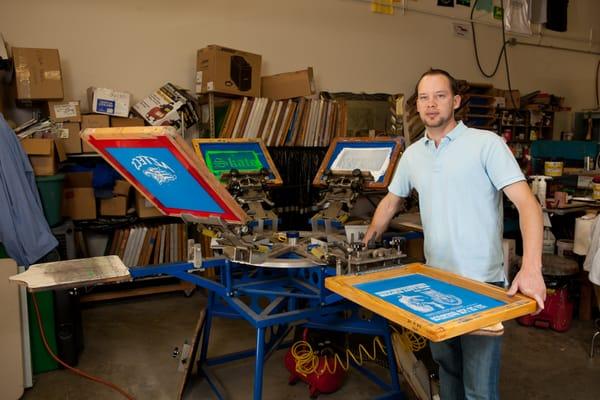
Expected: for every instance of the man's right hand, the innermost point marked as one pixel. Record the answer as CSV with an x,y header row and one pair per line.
x,y
386,209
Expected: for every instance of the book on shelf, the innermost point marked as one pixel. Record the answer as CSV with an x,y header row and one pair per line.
x,y
290,122
150,243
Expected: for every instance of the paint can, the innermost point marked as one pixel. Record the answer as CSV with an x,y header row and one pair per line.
x,y
553,168
596,188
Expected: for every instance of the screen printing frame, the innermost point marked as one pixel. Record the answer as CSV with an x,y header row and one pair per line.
x,y
101,139
275,181
515,306
354,142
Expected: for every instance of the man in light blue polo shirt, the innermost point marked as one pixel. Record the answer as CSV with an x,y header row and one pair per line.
x,y
460,174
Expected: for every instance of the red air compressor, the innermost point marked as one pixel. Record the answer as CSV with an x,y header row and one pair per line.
x,y
558,307
321,372
557,313
319,381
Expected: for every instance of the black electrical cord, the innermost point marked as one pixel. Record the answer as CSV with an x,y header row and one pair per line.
x,y
502,52
597,89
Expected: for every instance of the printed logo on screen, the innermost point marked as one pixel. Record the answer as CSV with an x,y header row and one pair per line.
x,y
429,300
422,298
153,168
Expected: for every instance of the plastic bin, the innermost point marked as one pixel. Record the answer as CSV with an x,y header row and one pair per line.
x,y
50,188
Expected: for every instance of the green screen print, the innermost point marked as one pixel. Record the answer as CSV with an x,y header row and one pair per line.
x,y
223,161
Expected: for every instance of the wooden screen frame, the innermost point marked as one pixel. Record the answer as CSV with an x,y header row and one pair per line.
x,y
368,185
94,135
277,181
515,306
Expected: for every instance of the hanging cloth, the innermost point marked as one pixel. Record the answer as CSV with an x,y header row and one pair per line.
x,y
539,11
557,15
516,17
23,227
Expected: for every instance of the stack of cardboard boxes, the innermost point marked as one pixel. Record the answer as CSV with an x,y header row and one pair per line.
x,y
68,115
39,78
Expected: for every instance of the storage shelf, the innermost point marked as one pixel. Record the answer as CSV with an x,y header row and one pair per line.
x,y
84,155
526,141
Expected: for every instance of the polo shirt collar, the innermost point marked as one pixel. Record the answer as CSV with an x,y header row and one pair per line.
x,y
452,135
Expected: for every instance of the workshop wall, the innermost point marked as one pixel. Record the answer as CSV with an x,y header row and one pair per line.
x,y
138,45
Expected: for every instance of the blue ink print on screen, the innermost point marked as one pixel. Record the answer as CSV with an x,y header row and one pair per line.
x,y
429,298
153,168
162,175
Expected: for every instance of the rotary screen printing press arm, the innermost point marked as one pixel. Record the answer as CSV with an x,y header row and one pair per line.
x,y
251,191
342,190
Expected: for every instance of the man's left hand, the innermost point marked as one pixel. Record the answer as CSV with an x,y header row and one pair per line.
x,y
530,282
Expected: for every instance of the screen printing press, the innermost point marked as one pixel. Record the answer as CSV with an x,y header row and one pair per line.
x,y
319,279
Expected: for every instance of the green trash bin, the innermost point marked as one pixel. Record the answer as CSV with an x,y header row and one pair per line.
x,y
41,360
51,188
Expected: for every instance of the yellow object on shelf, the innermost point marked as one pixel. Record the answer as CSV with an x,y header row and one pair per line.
x,y
596,191
553,168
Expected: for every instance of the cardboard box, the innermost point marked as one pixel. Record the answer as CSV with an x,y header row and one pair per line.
x,y
78,179
69,137
64,111
516,96
44,155
79,202
93,121
288,85
120,122
219,69
121,188
109,101
115,206
37,74
144,208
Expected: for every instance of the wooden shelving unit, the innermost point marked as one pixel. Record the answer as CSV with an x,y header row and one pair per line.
x,y
522,127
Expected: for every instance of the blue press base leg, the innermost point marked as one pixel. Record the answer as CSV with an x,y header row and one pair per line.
x,y
206,331
395,382
259,364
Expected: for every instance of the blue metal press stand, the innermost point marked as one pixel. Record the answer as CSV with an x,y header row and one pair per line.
x,y
277,299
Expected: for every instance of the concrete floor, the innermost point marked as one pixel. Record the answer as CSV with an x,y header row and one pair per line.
x,y
130,342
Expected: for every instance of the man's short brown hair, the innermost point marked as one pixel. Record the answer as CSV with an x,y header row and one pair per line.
x,y
435,71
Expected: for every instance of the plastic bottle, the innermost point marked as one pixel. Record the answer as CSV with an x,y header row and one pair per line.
x,y
541,193
535,181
